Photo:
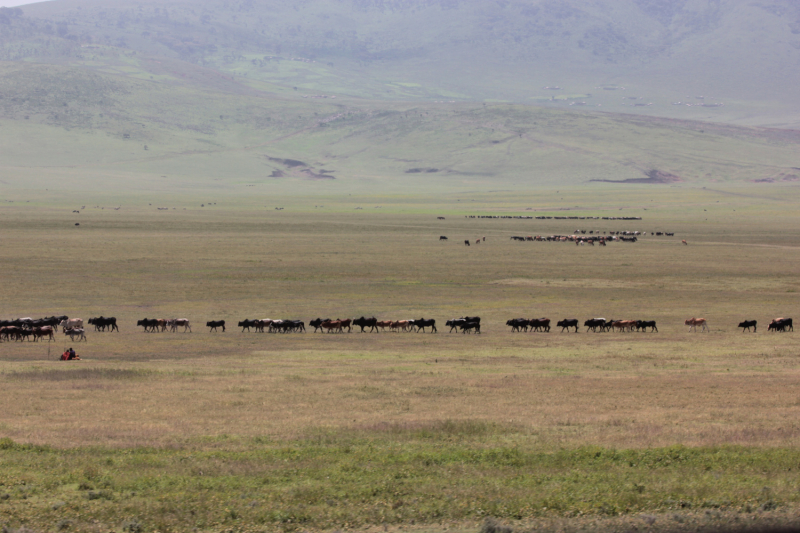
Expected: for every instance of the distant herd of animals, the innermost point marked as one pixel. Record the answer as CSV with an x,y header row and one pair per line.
x,y
580,238
30,329
524,217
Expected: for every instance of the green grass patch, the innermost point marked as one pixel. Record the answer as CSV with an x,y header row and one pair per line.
x,y
401,476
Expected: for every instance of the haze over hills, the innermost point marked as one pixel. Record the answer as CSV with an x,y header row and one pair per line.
x,y
742,53
390,94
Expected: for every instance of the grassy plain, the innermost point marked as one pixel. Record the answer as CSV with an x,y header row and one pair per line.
x,y
256,431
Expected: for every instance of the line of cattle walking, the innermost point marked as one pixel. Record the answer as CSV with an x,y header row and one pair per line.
x,y
578,237
333,326
34,329
603,324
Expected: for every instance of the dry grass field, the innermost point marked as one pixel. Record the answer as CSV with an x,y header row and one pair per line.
x,y
357,430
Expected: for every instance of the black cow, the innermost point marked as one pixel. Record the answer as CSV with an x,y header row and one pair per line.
x,y
469,326
101,323
454,323
371,323
780,324
149,324
540,324
317,323
247,324
518,324
421,324
288,326
593,323
466,243
609,324
442,238
642,325
23,322
747,324
53,321
568,323
214,324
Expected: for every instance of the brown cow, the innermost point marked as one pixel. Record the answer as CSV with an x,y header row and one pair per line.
x,y
9,332
622,325
334,325
383,324
401,324
694,322
46,331
684,242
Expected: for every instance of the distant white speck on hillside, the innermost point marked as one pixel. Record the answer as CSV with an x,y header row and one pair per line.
x,y
15,3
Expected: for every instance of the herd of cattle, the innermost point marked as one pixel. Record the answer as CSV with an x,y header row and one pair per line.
x,y
580,237
22,329
603,324
593,324
329,325
161,324
579,240
523,217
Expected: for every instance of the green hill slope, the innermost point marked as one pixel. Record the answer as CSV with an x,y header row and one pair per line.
x,y
89,129
738,52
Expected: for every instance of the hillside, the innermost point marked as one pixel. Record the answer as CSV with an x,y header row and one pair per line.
x,y
88,127
740,53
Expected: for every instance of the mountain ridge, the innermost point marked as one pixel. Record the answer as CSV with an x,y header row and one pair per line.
x,y
740,53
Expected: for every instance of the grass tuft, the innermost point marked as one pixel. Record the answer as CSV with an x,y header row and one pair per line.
x,y
79,374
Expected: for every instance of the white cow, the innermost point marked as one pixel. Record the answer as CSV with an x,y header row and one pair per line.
x,y
71,323
76,332
178,322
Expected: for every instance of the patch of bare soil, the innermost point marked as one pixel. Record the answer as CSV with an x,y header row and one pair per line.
x,y
653,176
780,177
291,163
419,170
300,169
320,175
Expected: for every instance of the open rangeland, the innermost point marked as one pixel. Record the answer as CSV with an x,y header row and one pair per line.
x,y
256,431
